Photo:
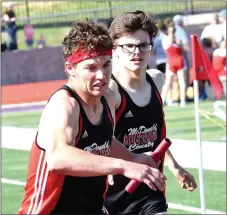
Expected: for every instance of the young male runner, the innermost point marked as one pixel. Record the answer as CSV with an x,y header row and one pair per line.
x,y
69,160
140,123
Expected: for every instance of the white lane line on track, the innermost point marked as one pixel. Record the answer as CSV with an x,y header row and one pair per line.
x,y
170,204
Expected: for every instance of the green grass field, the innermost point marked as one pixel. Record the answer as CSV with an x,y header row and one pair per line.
x,y
180,124
14,166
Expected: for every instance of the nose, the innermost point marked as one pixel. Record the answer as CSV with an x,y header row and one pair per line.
x,y
137,50
100,74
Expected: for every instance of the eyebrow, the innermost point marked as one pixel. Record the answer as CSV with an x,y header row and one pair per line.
x,y
134,44
95,63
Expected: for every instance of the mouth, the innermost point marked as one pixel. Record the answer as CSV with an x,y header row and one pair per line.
x,y
99,85
136,60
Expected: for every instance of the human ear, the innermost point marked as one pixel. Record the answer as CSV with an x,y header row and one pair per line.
x,y
68,68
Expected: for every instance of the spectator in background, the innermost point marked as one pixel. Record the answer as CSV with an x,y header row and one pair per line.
x,y
210,31
28,34
222,27
208,48
158,48
219,63
11,29
181,35
175,64
41,41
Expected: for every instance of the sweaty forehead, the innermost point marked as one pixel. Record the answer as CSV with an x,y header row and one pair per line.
x,y
137,37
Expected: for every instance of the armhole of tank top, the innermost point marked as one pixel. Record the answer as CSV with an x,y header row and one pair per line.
x,y
107,110
36,142
121,108
150,80
120,90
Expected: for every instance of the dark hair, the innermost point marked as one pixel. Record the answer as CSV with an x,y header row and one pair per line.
x,y
207,43
130,22
86,35
162,26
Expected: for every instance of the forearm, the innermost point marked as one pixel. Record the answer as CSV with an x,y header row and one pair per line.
x,y
75,162
120,151
172,38
170,161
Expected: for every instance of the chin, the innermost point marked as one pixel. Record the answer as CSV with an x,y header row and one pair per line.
x,y
98,93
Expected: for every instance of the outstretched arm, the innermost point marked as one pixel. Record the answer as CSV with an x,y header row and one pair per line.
x,y
184,179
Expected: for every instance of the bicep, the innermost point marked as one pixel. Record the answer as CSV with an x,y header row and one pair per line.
x,y
58,127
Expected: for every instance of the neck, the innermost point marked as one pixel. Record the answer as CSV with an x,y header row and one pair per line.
x,y
85,98
131,80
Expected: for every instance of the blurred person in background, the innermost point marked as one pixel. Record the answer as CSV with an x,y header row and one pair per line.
x,y
222,27
29,34
9,18
41,41
158,50
175,64
210,31
208,48
181,34
219,63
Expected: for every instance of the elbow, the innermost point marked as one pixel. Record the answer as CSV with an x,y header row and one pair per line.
x,y
54,162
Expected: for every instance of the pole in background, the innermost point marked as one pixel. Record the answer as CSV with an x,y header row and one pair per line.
x,y
110,9
27,11
195,68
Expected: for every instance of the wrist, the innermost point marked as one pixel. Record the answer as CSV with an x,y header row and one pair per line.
x,y
172,166
119,167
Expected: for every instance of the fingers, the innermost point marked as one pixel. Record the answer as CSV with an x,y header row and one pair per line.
x,y
155,179
188,182
110,180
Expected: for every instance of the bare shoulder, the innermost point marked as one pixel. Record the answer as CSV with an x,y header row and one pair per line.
x,y
60,115
113,86
111,97
158,77
61,103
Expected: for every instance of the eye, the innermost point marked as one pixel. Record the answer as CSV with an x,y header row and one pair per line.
x,y
129,45
143,45
90,67
107,65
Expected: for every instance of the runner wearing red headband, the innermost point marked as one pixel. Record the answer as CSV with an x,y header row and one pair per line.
x,y
70,156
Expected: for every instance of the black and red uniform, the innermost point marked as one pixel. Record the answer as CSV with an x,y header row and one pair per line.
x,y
48,192
140,129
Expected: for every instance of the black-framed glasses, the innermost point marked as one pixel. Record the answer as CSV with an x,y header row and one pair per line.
x,y
130,48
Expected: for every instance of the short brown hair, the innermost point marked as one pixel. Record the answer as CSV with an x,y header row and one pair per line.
x,y
130,22
86,35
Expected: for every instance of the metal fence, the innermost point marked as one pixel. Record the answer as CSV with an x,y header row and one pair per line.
x,y
64,12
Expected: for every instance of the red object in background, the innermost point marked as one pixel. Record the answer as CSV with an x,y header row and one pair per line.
x,y
219,61
203,68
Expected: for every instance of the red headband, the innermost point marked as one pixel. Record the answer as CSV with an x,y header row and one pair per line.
x,y
81,55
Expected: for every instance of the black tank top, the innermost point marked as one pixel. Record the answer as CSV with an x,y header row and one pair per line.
x,y
140,129
85,195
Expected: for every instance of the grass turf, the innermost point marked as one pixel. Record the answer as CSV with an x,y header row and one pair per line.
x,y
15,163
180,122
